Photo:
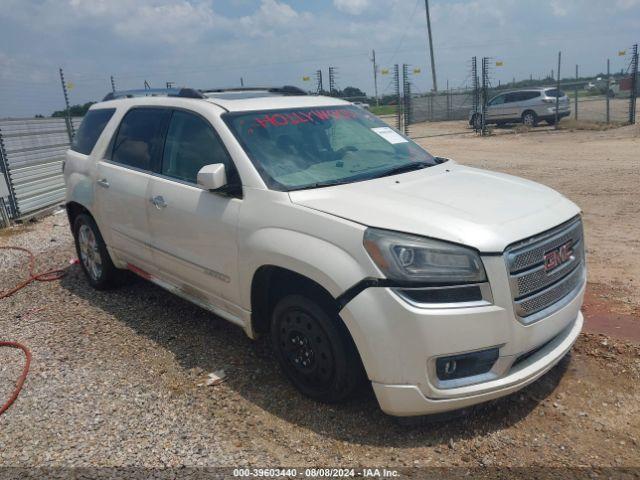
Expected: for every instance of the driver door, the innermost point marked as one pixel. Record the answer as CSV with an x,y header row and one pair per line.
x,y
496,109
194,231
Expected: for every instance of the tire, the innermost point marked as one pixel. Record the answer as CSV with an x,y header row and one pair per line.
x,y
92,252
551,121
314,352
476,121
530,119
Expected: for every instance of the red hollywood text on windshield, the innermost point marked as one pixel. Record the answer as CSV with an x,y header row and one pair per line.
x,y
296,118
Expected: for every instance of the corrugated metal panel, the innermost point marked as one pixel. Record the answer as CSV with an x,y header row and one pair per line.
x,y
34,150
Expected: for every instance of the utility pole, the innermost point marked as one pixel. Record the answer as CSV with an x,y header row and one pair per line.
x,y
241,82
433,62
558,90
113,84
70,130
375,76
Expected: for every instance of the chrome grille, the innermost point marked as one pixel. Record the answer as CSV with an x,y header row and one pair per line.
x,y
536,292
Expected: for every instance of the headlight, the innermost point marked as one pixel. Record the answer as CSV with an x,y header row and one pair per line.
x,y
417,259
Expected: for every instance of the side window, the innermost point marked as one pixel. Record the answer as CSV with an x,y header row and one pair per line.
x,y
190,145
138,142
531,95
499,100
90,129
514,97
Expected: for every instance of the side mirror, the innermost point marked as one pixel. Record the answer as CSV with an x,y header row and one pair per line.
x,y
212,177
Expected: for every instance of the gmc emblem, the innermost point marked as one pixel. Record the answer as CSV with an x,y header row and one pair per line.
x,y
557,257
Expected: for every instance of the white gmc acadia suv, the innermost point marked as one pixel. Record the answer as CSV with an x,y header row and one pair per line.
x,y
308,219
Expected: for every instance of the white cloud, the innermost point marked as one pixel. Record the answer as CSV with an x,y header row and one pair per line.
x,y
627,4
559,8
270,13
352,7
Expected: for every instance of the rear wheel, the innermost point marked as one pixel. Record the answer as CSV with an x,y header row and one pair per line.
x,y
529,119
551,121
92,252
315,354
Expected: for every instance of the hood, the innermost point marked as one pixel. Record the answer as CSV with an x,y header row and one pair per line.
x,y
478,208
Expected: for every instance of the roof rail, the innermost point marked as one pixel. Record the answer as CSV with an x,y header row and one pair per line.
x,y
286,90
154,92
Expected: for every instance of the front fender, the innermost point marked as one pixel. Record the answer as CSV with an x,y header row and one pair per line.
x,y
327,264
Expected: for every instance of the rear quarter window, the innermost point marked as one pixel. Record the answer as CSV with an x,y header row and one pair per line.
x,y
90,129
554,92
530,95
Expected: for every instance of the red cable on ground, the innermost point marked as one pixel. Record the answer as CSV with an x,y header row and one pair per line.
x,y
47,276
22,377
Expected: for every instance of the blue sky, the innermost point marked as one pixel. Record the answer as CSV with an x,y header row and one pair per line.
x,y
207,43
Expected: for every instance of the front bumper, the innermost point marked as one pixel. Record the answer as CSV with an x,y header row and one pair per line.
x,y
399,344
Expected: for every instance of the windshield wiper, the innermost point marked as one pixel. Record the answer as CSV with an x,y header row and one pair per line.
x,y
407,167
322,184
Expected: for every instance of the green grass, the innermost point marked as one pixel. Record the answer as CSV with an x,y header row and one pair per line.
x,y
383,110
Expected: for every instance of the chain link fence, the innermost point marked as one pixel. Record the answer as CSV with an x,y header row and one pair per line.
x,y
607,99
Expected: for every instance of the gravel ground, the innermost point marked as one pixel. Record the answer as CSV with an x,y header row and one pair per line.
x,y
117,380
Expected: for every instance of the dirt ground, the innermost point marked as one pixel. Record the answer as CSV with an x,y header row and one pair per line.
x,y
117,378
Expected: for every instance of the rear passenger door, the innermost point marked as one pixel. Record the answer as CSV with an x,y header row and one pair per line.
x,y
194,231
122,184
512,105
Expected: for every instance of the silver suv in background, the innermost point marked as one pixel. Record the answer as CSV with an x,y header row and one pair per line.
x,y
528,106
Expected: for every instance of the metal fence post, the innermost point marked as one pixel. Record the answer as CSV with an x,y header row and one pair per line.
x,y
70,130
476,92
558,92
396,82
576,94
608,83
485,95
406,90
4,169
634,85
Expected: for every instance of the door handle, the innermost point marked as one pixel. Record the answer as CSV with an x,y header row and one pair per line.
x,y
158,202
103,183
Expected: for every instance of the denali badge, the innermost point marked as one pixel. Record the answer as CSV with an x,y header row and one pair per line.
x,y
557,257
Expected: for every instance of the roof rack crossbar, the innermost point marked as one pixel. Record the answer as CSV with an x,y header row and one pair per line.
x,y
286,90
154,92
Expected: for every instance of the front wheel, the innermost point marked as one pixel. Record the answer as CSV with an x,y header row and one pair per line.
x,y
92,252
529,119
316,355
476,121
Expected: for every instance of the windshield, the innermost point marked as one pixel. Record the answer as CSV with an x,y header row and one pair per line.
x,y
314,147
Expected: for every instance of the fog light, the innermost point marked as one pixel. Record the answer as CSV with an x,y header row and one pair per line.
x,y
466,364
